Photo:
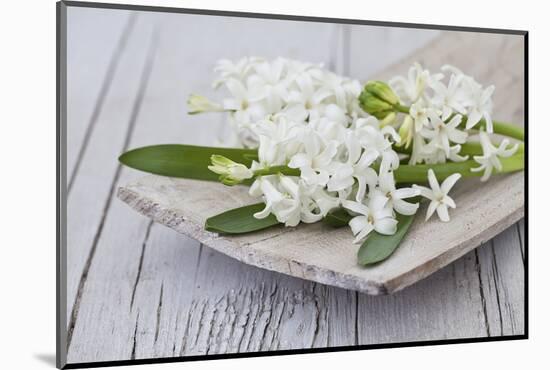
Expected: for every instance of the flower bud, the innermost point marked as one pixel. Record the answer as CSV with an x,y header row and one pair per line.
x,y
199,104
406,131
378,99
388,120
231,173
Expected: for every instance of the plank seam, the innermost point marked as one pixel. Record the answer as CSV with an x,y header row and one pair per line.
x,y
140,265
482,294
496,280
159,312
133,354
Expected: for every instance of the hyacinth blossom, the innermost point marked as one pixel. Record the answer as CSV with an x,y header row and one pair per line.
x,y
319,146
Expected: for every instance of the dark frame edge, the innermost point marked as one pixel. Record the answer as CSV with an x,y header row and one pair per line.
x,y
61,200
292,352
526,176
288,17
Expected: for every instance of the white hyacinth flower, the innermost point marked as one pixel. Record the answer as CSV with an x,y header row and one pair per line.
x,y
315,161
420,112
438,195
357,167
386,184
305,103
413,87
490,158
239,70
287,200
481,106
376,215
449,98
443,133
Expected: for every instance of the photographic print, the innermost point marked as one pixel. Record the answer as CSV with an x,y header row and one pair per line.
x,y
237,184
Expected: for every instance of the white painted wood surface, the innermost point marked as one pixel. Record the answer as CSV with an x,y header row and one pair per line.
x,y
138,289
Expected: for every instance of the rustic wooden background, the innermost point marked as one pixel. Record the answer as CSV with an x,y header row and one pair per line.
x,y
139,290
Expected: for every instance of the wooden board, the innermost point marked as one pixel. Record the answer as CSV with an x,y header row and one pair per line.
x,y
138,289
319,253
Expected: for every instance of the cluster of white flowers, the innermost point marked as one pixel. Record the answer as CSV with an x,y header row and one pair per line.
x,y
439,103
259,88
309,119
306,118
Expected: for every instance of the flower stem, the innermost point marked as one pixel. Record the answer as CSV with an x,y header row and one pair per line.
x,y
468,148
502,128
283,170
419,173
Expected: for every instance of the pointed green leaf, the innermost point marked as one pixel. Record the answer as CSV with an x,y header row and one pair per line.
x,y
186,161
378,247
337,217
240,220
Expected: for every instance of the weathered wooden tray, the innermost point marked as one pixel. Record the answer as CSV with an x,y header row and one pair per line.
x,y
325,255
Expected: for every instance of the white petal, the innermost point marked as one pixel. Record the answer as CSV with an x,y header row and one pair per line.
x,y
377,201
356,207
310,217
443,213
487,173
431,210
449,201
263,213
290,186
433,181
299,160
405,208
255,189
361,189
449,182
473,119
424,191
236,88
488,123
363,234
457,136
403,193
386,226
386,182
358,223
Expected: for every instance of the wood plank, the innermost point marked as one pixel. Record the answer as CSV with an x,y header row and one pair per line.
x,y
93,55
91,194
502,280
446,305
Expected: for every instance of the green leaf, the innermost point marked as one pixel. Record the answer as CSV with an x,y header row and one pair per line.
x,y
252,156
240,220
337,217
378,247
186,161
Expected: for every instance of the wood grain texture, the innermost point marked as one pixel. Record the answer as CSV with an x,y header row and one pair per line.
x,y
151,292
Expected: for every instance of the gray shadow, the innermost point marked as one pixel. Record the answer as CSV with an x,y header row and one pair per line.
x,y
47,358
